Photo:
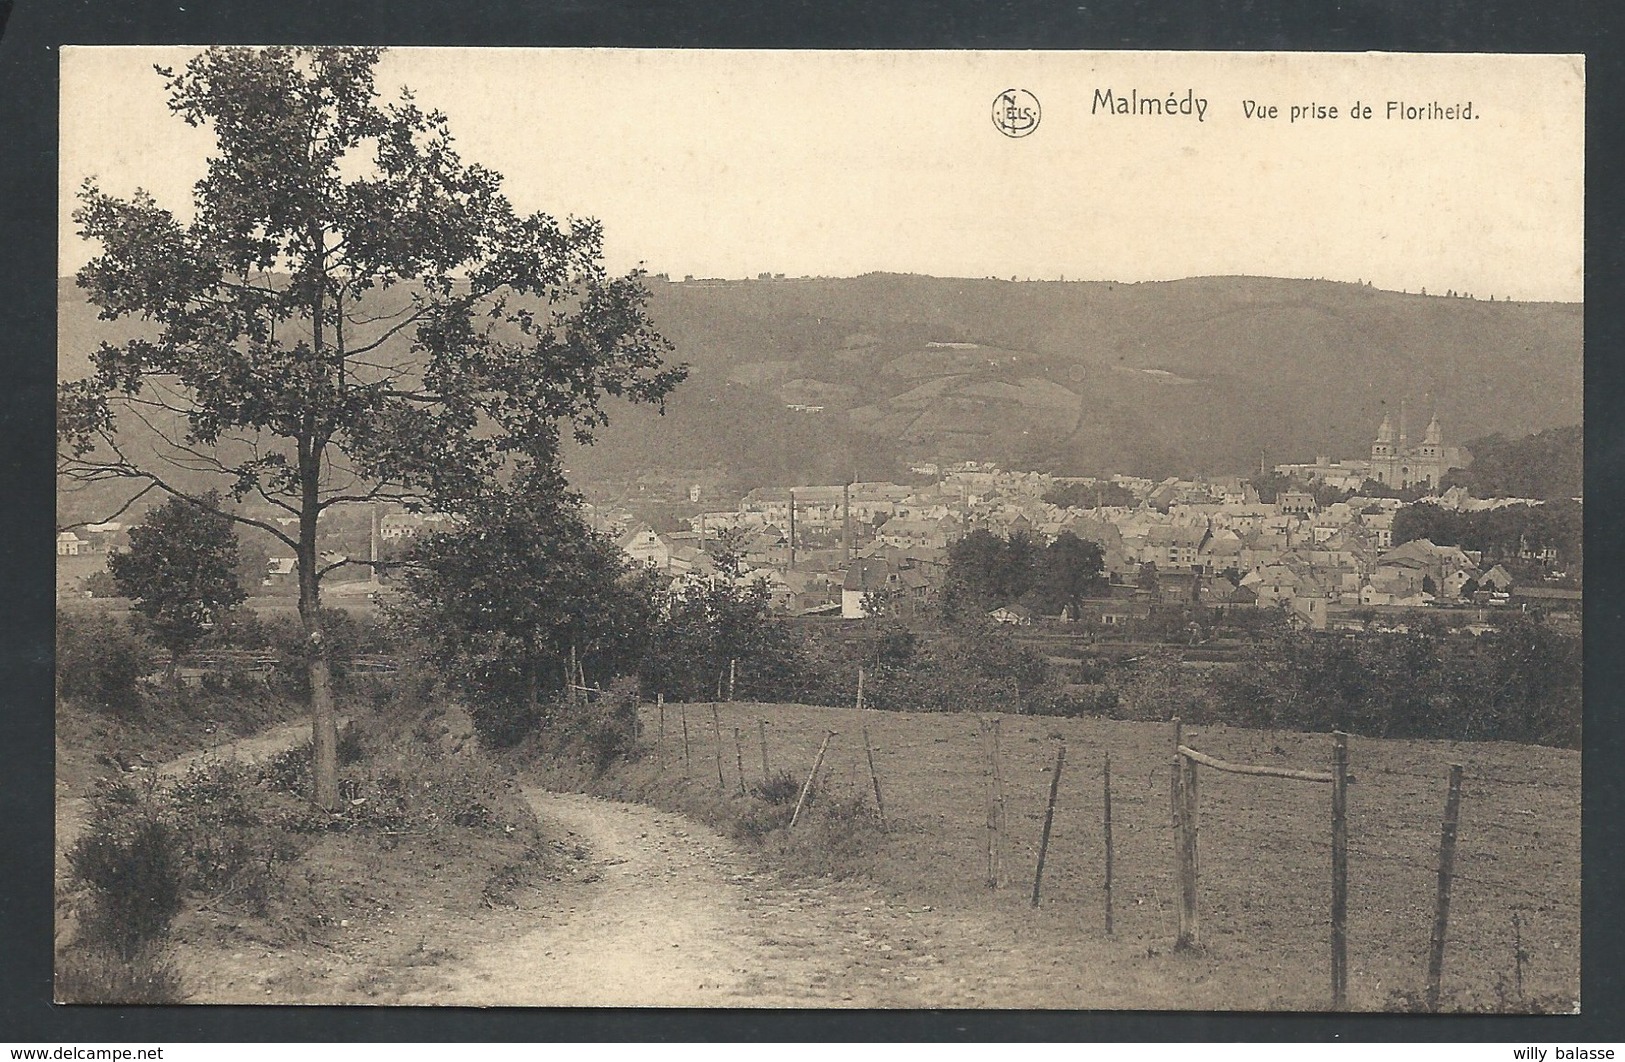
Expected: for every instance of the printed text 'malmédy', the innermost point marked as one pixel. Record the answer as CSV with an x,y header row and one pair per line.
x,y
1173,104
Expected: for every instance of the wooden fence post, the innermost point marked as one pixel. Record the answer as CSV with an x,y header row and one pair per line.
x,y
731,663
1108,824
761,727
874,776
739,760
1519,956
683,712
801,801
995,810
1447,870
1176,804
860,689
716,734
1340,869
1049,819
570,679
987,756
660,743
1189,908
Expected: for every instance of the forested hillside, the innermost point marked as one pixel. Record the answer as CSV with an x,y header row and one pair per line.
x,y
1201,375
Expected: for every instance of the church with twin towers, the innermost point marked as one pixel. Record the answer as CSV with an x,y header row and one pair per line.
x,y
1394,462
1397,464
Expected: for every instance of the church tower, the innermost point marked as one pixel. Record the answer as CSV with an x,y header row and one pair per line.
x,y
1384,446
1430,455
1383,453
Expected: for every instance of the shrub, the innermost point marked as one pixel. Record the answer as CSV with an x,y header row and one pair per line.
x,y
760,819
288,771
781,788
231,836
503,722
598,731
98,662
1518,682
130,860
609,728
835,838
1071,701
97,973
773,801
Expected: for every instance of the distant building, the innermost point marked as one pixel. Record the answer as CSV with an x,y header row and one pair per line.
x,y
862,577
1398,465
646,548
1017,615
1296,503
399,525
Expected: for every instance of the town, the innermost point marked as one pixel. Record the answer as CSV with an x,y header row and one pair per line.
x,y
1216,545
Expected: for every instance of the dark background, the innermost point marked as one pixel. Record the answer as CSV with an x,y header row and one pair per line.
x,y
31,30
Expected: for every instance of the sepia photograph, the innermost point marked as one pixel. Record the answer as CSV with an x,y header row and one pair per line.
x,y
618,527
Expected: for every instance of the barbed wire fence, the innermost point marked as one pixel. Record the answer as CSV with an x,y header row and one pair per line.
x,y
971,812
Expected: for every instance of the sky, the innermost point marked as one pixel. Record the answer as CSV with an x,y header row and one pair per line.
x,y
734,163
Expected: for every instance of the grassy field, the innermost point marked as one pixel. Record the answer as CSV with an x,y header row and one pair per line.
x,y
1265,852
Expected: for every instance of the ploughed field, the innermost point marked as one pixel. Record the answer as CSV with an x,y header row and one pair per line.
x,y
1265,854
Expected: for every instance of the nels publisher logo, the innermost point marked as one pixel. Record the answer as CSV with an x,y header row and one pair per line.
x,y
1016,112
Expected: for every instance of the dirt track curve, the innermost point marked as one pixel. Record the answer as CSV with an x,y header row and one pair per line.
x,y
678,918
667,913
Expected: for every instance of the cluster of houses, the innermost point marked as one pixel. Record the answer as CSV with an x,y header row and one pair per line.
x,y
850,549
92,538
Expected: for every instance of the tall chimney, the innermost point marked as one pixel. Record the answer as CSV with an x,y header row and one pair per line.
x,y
846,523
792,530
374,550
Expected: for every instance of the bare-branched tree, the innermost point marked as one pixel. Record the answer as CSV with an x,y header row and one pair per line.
x,y
352,314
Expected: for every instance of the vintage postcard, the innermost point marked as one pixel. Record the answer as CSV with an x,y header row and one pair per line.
x,y
874,529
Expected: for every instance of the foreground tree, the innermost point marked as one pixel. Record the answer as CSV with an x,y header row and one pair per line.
x,y
181,569
986,570
708,628
519,593
353,314
1071,570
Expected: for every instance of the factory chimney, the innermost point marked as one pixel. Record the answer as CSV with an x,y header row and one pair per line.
x,y
792,530
846,523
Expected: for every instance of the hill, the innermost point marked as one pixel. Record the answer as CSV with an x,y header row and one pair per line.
x,y
1547,465
1199,375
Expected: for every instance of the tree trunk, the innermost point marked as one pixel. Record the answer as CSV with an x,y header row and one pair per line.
x,y
324,738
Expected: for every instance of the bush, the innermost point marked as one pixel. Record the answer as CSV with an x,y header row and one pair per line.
x,y
597,731
232,838
1519,682
610,729
1072,701
836,837
98,662
782,788
97,973
503,722
130,860
759,820
773,801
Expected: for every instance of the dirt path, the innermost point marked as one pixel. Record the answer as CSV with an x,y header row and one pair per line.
x,y
670,921
72,813
658,910
678,917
